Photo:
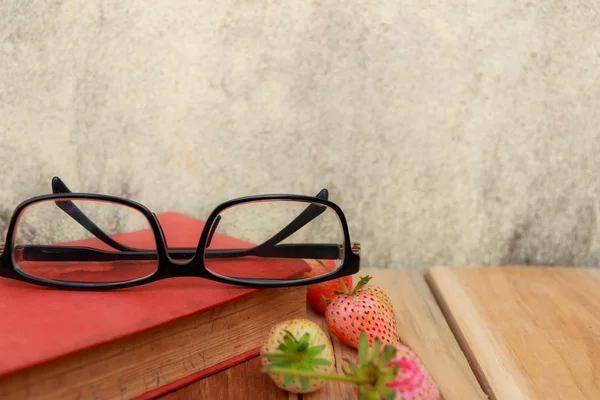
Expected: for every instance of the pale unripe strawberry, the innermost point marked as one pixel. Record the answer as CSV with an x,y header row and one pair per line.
x,y
365,308
298,344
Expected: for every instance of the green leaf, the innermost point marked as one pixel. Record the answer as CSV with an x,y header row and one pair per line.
x,y
304,338
387,392
315,350
375,349
363,348
387,354
368,395
363,281
280,362
387,374
303,342
353,367
304,382
302,346
287,379
320,361
290,335
289,346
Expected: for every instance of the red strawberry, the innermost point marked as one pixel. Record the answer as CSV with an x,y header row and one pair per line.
x,y
365,308
319,294
384,371
298,344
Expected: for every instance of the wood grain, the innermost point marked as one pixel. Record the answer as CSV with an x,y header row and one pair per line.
x,y
532,332
421,325
238,382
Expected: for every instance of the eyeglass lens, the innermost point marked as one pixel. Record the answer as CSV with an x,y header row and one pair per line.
x,y
84,240
275,240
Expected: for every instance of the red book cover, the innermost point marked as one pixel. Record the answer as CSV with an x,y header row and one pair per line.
x,y
40,324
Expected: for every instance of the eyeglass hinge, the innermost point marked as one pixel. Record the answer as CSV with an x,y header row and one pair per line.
x,y
2,244
355,248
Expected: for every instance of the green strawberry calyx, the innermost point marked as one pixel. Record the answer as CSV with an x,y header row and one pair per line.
x,y
295,356
359,285
372,374
374,363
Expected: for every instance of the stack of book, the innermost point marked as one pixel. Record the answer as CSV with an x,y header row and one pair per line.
x,y
140,342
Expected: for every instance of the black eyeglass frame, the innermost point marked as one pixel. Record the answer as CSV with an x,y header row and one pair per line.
x,y
168,267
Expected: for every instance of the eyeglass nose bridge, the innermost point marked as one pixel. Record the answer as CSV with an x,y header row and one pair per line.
x,y
163,239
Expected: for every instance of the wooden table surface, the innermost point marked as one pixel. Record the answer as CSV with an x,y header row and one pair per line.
x,y
500,333
530,332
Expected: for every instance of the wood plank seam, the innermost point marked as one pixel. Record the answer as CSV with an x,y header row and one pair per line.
x,y
460,338
532,332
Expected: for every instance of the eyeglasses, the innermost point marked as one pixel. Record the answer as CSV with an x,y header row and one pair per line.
x,y
93,241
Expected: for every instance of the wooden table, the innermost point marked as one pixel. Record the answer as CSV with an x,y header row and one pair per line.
x,y
530,332
488,332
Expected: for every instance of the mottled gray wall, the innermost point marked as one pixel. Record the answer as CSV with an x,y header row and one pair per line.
x,y
453,132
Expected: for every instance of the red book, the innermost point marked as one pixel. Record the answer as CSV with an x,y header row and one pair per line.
x,y
139,341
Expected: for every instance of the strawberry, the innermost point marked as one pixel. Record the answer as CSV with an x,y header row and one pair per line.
x,y
298,345
319,294
365,308
412,381
389,371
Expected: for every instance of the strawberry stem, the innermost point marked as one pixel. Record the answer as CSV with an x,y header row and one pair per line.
x,y
314,374
363,281
341,282
343,285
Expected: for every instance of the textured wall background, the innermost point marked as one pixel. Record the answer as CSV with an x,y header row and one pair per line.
x,y
457,132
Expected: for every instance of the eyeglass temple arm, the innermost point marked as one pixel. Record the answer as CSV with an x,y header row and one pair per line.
x,y
77,253
58,186
310,213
